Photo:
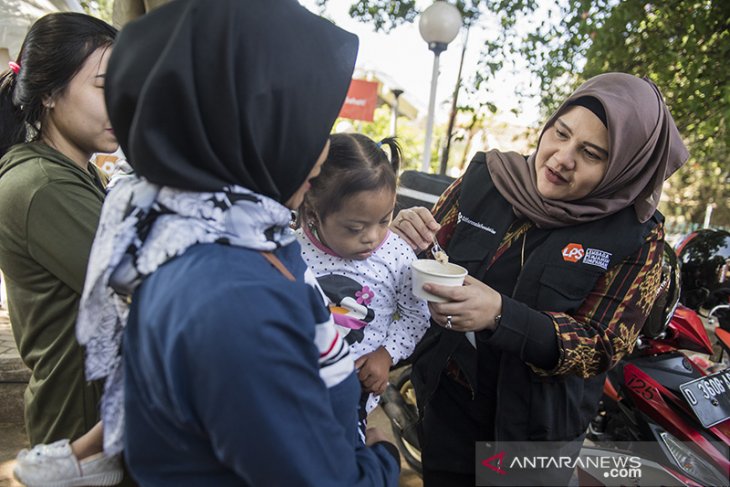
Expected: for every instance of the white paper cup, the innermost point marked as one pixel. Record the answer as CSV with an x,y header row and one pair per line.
x,y
434,272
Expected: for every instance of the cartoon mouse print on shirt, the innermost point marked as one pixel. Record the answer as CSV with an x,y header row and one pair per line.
x,y
349,301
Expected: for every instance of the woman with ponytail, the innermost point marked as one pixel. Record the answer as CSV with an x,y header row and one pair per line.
x,y
52,119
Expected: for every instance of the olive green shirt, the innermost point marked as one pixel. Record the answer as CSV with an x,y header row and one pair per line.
x,y
49,211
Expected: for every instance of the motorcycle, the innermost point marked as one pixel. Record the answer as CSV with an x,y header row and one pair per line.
x,y
664,395
399,403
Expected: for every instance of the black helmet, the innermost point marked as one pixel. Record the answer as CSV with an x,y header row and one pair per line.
x,y
704,257
667,296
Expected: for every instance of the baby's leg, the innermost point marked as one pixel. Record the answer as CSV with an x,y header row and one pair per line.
x,y
90,443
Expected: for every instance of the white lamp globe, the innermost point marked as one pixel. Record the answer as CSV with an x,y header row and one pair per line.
x,y
440,23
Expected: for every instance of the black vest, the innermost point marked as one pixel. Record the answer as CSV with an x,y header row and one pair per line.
x,y
557,276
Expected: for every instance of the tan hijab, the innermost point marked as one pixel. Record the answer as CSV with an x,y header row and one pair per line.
x,y
645,148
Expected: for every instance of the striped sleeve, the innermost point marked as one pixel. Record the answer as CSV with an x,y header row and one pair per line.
x,y
605,327
336,363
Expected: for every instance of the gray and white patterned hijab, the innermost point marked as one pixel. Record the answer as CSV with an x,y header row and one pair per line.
x,y
142,226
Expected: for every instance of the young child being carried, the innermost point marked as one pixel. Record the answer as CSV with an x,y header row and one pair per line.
x,y
363,268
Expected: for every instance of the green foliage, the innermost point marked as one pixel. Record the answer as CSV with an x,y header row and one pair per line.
x,y
99,8
385,15
681,45
684,47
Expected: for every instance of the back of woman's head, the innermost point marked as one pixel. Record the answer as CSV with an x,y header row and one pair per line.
x,y
355,163
53,52
202,97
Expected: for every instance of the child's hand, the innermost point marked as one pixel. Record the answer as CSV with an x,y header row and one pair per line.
x,y
373,370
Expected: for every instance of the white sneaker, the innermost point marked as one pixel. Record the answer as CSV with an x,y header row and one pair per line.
x,y
55,465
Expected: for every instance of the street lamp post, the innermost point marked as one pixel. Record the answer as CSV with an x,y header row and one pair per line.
x,y
439,24
397,92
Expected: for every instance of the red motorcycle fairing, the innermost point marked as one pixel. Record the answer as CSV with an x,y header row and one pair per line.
x,y
610,391
684,331
723,337
651,398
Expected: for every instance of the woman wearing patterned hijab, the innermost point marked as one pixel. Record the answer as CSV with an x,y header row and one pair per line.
x,y
232,370
564,251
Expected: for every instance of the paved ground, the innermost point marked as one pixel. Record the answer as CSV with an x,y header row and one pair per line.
x,y
13,375
12,439
7,343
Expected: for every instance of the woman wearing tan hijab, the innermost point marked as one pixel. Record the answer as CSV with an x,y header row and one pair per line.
x,y
563,250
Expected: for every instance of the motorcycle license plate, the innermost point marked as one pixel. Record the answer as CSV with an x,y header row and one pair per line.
x,y
709,397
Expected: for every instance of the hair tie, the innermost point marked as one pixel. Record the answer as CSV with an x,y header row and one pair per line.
x,y
380,144
14,67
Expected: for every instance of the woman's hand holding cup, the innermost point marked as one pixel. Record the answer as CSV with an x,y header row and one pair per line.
x,y
471,307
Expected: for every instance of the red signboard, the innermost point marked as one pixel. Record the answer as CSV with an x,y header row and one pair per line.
x,y
361,100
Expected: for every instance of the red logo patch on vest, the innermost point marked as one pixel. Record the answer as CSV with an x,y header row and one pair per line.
x,y
573,252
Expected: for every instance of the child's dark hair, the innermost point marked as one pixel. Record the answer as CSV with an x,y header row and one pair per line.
x,y
355,163
53,52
